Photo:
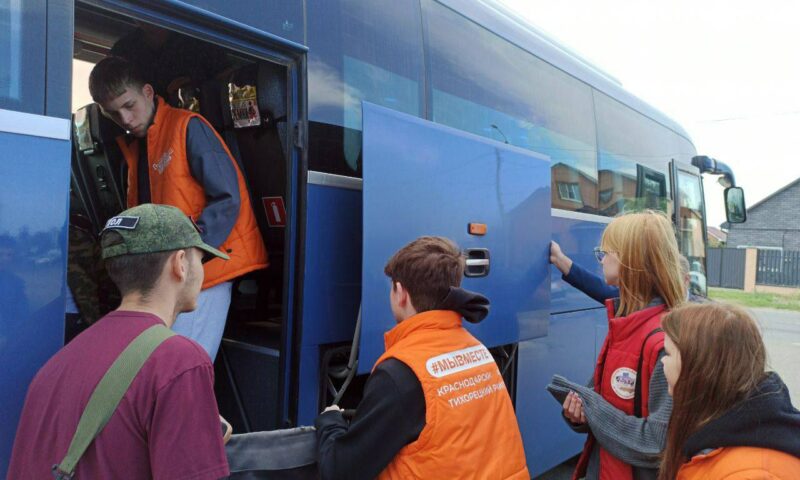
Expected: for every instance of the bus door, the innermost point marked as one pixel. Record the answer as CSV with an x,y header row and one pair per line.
x,y
690,223
493,199
252,92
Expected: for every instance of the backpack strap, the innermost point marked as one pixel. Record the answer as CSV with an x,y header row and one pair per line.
x,y
107,395
637,396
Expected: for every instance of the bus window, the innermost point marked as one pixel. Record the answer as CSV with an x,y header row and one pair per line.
x,y
370,52
485,85
690,229
22,55
279,17
633,160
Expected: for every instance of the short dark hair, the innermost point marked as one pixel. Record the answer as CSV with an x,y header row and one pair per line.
x,y
136,273
427,268
111,77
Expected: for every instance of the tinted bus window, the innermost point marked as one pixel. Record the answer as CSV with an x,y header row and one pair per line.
x,y
23,35
279,17
690,229
633,160
487,86
358,50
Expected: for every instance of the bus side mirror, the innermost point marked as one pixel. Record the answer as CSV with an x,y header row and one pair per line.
x,y
735,210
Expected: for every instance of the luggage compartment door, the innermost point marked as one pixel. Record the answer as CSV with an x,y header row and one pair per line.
x,y
422,178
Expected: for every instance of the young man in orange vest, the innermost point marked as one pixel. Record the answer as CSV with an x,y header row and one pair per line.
x,y
435,405
176,158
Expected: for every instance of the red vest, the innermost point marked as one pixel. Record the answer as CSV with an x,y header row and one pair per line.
x,y
615,376
172,183
470,430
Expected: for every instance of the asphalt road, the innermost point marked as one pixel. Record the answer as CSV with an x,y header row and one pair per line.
x,y
781,331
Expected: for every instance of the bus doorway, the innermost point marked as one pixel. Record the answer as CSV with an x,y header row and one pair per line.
x,y
248,92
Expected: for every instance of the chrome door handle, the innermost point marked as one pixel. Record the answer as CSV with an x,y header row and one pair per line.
x,y
478,262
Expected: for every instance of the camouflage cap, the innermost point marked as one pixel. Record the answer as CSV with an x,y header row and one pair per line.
x,y
151,228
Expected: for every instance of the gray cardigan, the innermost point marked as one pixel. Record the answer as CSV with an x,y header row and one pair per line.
x,y
636,441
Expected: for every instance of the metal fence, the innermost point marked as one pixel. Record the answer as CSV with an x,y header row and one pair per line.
x,y
778,267
725,267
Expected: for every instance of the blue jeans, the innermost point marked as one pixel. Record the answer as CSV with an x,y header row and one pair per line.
x,y
206,323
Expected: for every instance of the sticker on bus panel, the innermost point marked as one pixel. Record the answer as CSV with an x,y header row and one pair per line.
x,y
275,210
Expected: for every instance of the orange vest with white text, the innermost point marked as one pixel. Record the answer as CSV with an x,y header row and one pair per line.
x,y
172,183
470,430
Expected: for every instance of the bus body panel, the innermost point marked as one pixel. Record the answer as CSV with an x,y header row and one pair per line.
x,y
332,276
331,280
309,384
577,238
422,178
578,326
33,208
568,350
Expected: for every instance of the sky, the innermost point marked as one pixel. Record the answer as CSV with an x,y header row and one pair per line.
x,y
727,71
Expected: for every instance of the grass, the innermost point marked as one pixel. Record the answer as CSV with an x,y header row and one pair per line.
x,y
756,300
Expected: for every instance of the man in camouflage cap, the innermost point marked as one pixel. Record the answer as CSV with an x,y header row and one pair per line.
x,y
167,424
163,229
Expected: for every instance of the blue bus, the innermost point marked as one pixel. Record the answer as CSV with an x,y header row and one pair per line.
x,y
376,121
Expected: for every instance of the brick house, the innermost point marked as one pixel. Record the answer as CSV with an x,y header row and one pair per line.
x,y
716,237
573,189
773,222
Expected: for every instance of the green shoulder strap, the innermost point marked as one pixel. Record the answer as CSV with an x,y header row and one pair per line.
x,y
107,395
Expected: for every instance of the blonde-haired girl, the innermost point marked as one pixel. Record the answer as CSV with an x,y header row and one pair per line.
x,y
626,408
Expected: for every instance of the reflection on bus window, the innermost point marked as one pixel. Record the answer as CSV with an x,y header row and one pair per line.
x,y
279,17
690,229
376,85
569,191
484,85
634,157
22,47
372,53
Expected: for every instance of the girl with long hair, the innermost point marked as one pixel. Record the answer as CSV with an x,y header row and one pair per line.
x,y
731,419
626,408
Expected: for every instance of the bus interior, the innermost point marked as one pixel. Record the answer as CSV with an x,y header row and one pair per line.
x,y
246,99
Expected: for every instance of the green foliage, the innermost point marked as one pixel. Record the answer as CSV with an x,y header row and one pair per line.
x,y
756,300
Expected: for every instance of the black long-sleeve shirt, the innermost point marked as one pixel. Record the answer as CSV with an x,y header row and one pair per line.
x,y
211,166
390,416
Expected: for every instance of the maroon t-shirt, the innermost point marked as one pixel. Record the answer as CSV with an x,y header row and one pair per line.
x,y
166,426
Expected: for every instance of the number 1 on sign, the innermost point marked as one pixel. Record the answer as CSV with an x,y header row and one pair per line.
x,y
275,211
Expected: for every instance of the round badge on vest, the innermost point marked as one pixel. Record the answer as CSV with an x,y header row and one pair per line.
x,y
623,382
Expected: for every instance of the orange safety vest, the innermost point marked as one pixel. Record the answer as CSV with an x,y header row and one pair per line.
x,y
470,430
741,463
615,377
172,183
